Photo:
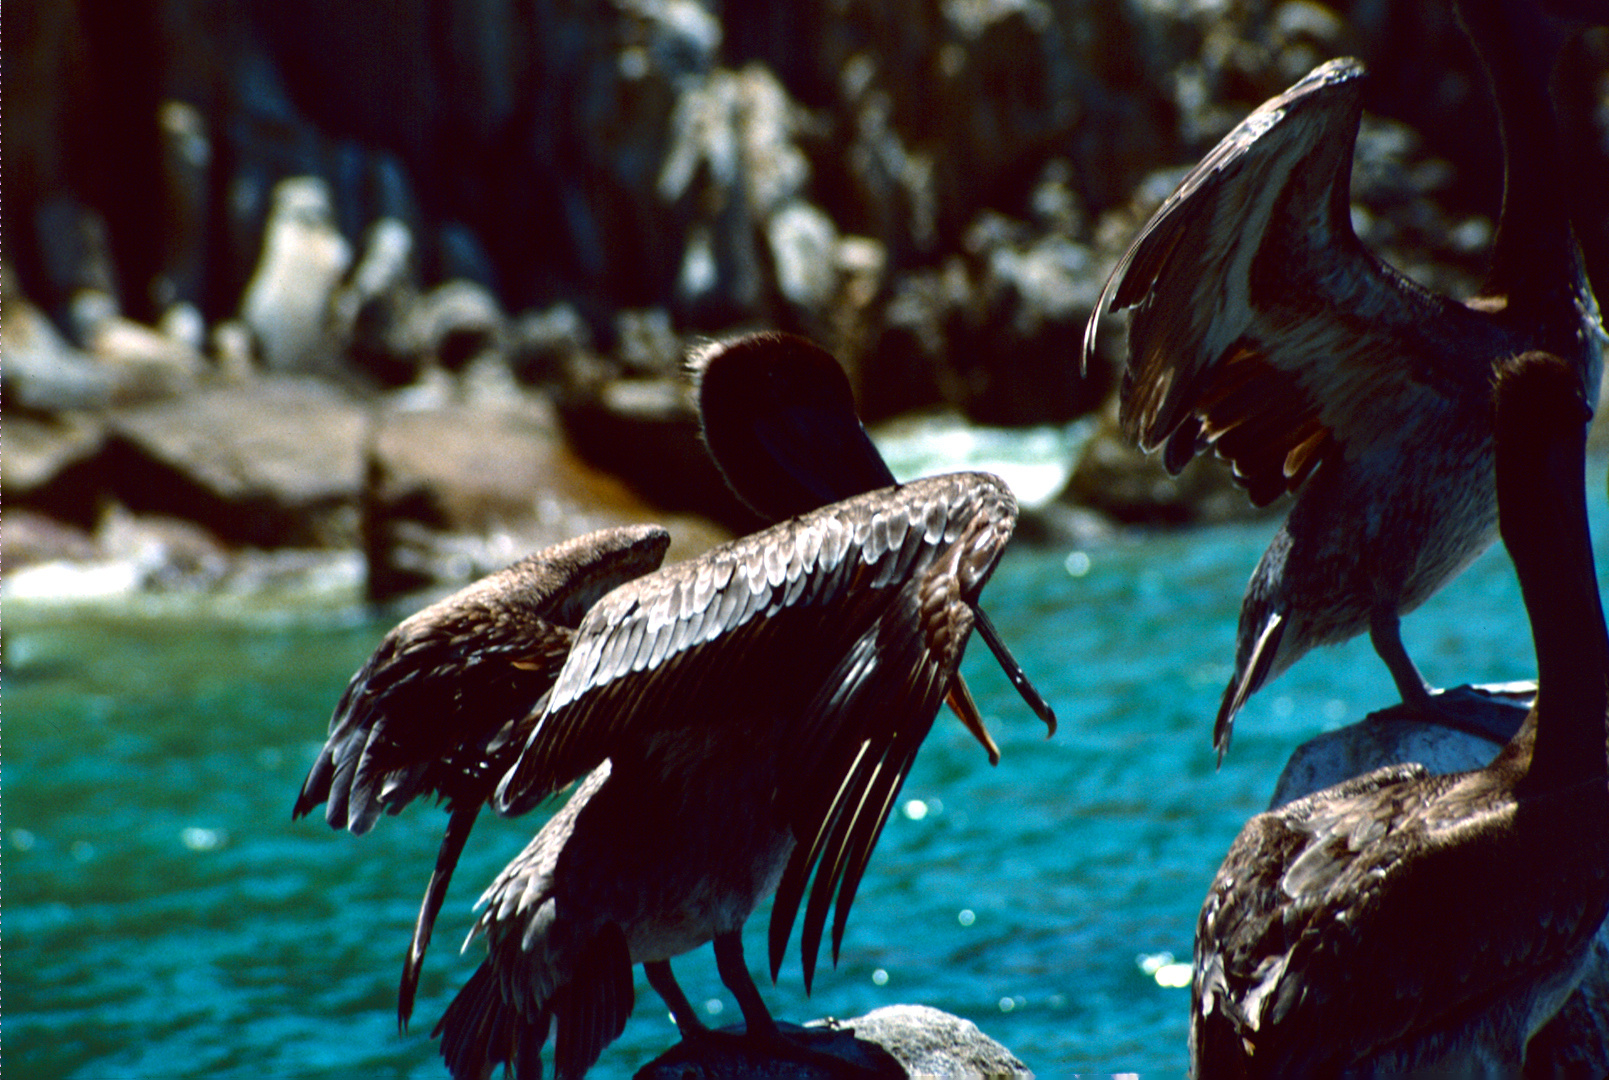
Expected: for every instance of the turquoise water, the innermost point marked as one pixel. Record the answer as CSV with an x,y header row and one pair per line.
x,y
163,917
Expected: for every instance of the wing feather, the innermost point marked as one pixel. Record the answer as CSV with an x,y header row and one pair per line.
x,y
860,737
426,712
1249,292
814,577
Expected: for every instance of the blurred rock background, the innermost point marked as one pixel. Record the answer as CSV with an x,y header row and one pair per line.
x,y
413,277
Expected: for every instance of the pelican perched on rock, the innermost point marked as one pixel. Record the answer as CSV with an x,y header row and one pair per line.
x,y
742,720
1401,923
441,708
745,721
1264,330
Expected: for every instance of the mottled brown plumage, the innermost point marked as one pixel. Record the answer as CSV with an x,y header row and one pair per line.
x,y
444,704
1399,921
744,719
1262,329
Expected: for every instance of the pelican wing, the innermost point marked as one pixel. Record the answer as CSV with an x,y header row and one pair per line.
x,y
443,704
863,731
1289,888
393,736
737,645
421,713
1262,328
1401,881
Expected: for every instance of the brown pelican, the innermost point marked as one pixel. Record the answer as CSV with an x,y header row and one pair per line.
x,y
778,416
1400,923
417,719
744,721
1263,329
437,709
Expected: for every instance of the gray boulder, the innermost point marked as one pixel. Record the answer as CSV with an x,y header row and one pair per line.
x,y
45,373
930,1042
268,463
455,490
897,1041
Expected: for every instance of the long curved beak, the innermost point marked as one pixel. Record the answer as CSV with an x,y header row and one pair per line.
x,y
966,710
1013,670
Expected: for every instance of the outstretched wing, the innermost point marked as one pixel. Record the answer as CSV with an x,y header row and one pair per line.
x,y
418,717
829,641
445,702
1262,328
422,713
729,642
862,733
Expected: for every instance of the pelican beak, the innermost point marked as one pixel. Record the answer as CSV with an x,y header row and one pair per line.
x,y
1013,670
966,710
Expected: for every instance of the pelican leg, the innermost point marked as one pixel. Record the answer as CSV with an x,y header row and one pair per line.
x,y
1385,631
769,1040
735,974
1462,708
666,986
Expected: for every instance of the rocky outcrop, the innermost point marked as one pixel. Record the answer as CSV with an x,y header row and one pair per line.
x,y
304,257
426,197
431,492
276,463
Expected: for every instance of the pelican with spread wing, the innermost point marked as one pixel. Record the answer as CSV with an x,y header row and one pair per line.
x,y
740,723
1262,329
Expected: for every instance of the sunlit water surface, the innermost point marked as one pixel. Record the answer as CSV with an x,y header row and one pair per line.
x,y
164,917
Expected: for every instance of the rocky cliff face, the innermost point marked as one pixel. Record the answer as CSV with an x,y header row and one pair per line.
x,y
549,196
